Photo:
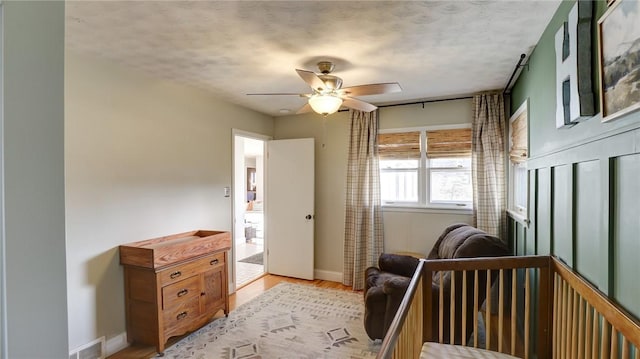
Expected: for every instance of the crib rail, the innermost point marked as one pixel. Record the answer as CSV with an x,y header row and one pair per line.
x,y
466,269
506,302
540,308
404,337
587,324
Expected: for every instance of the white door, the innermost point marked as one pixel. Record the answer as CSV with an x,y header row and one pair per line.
x,y
290,204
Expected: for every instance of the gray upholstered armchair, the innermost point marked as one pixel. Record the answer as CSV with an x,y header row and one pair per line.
x,y
385,286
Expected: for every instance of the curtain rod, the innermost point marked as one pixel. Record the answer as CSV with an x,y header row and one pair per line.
x,y
506,88
427,101
513,74
421,102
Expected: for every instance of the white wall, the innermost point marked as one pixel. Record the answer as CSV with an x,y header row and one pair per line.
x,y
34,208
404,231
144,158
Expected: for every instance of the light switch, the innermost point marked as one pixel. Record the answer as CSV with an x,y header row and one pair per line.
x,y
227,191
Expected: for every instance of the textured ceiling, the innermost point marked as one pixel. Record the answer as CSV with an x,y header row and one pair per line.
x,y
231,48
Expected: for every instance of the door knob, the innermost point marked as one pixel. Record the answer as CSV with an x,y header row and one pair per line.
x,y
308,216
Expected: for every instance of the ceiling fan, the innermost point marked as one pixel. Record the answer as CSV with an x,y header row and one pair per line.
x,y
328,95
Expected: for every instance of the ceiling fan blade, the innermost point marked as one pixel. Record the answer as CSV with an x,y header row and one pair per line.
x,y
277,94
358,105
312,79
305,109
371,89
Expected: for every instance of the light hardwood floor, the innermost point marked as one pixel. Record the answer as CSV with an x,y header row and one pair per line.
x,y
240,297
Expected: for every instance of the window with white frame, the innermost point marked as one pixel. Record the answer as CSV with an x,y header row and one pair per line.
x,y
400,158
426,167
518,154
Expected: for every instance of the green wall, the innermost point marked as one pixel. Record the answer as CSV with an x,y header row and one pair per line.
x,y
537,82
584,186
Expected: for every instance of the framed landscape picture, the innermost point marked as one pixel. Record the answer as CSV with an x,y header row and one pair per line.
x,y
619,52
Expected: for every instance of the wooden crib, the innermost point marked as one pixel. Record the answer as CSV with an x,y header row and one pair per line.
x,y
539,308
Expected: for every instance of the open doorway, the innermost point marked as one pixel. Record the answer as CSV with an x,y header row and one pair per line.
x,y
249,208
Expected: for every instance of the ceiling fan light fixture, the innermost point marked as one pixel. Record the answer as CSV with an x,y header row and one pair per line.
x,y
325,104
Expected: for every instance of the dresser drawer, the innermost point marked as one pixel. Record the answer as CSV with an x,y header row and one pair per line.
x,y
186,270
182,314
215,261
181,291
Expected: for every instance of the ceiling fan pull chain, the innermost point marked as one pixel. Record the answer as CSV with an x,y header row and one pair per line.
x,y
324,130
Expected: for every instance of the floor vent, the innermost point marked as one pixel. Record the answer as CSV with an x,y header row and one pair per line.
x,y
93,350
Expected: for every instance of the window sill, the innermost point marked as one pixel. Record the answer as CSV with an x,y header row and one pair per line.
x,y
434,210
518,217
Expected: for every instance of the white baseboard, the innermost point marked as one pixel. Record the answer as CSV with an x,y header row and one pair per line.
x,y
328,275
95,347
116,343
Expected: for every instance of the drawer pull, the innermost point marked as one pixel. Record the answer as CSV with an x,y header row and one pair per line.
x,y
175,275
183,292
214,262
181,315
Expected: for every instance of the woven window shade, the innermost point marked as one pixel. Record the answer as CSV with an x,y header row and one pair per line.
x,y
399,146
519,148
449,143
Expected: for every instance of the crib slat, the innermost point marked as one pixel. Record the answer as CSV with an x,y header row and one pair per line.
x,y
542,335
614,343
581,329
556,309
636,353
587,335
464,307
596,334
428,305
574,325
419,332
487,319
569,328
560,317
563,322
625,348
514,276
441,310
569,322
588,352
452,309
604,340
568,334
475,308
500,310
527,312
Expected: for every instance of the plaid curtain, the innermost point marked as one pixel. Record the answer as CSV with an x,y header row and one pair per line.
x,y
487,164
363,238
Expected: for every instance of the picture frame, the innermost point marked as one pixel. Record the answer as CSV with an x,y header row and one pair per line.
x,y
619,59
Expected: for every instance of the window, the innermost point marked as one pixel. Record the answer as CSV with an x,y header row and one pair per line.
x,y
399,167
518,154
426,167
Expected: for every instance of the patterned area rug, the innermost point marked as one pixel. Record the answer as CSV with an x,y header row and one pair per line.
x,y
287,321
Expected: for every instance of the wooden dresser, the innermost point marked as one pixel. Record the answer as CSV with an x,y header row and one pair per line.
x,y
174,284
